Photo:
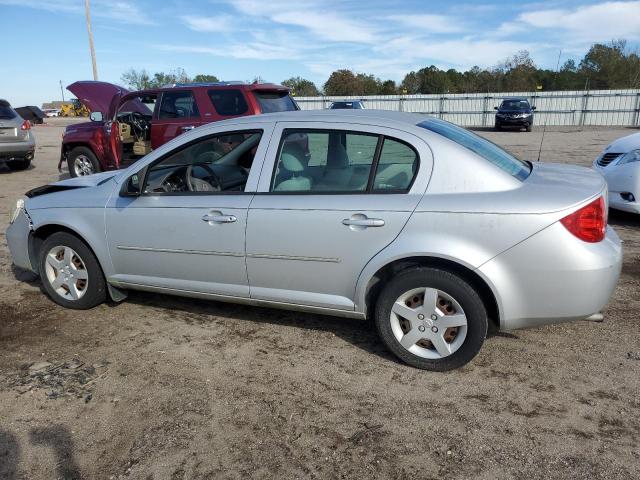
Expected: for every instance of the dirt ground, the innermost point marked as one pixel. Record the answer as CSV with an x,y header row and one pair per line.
x,y
169,388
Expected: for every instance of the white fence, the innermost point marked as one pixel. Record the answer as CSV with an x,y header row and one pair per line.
x,y
596,107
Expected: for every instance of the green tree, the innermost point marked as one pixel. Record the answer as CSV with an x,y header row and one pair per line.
x,y
341,82
136,79
200,78
301,87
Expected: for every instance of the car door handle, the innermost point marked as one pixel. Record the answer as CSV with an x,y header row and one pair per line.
x,y
211,219
363,222
186,128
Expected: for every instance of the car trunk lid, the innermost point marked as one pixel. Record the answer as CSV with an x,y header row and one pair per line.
x,y
10,130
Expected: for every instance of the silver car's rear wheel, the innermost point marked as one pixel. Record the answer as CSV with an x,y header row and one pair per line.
x,y
431,318
428,322
82,166
66,272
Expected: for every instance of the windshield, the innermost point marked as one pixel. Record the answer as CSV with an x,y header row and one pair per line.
x,y
7,113
271,102
514,105
480,146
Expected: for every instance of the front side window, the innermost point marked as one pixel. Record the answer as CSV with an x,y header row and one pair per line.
x,y
220,163
277,101
228,102
178,104
480,146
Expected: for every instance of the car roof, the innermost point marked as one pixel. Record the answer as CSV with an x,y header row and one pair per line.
x,y
371,117
214,86
516,98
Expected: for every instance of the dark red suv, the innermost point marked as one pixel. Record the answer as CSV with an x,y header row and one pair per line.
x,y
127,125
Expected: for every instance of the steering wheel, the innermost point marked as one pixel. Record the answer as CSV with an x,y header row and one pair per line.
x,y
139,121
198,185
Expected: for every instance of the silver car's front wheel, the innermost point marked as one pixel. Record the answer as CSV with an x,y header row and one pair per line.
x,y
66,272
431,318
70,272
82,166
428,322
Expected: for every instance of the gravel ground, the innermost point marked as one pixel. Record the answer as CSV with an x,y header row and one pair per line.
x,y
169,388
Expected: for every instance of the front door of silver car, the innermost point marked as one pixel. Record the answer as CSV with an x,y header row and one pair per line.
x,y
184,229
331,196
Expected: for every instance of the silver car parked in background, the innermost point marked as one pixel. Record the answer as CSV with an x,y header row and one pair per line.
x,y
17,142
432,231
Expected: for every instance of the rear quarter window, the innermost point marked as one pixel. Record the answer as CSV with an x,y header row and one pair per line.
x,y
7,113
480,146
277,101
228,102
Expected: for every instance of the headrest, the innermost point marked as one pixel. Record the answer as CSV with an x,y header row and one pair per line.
x,y
291,162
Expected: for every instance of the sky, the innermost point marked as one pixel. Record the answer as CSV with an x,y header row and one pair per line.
x,y
45,42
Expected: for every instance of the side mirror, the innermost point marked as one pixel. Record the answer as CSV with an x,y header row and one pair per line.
x,y
96,116
495,108
133,185
533,108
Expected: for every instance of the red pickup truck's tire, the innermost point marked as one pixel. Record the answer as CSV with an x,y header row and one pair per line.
x,y
82,161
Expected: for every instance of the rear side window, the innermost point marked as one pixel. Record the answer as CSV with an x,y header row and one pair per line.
x,y
228,102
178,104
7,113
271,102
480,146
397,166
324,161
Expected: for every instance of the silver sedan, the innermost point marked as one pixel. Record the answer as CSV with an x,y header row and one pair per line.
x,y
433,232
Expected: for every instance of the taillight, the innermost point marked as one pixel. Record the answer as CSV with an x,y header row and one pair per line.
x,y
26,125
589,223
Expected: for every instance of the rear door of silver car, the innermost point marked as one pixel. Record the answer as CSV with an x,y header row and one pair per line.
x,y
330,197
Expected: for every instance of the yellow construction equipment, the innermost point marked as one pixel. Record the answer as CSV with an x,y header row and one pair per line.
x,y
73,109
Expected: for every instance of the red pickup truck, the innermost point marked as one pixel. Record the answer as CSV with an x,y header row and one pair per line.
x,y
127,125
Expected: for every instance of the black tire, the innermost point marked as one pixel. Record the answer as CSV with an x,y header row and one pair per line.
x,y
75,153
457,288
96,287
21,164
498,127
528,128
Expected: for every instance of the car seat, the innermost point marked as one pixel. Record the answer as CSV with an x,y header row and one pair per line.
x,y
292,166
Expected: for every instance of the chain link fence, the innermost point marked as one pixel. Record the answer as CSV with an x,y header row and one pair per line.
x,y
565,108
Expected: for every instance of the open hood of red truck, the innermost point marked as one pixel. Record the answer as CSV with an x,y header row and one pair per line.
x,y
104,96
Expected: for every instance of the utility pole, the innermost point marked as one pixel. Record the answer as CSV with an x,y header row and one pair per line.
x,y
62,91
93,51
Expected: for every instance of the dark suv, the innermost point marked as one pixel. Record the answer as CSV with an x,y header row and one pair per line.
x,y
127,125
514,112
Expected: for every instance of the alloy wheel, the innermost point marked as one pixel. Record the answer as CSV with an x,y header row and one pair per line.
x,y
82,166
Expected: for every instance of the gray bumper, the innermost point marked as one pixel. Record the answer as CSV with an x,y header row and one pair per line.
x,y
18,241
18,150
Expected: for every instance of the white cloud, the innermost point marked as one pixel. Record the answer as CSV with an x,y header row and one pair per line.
x,y
121,12
318,18
600,22
219,23
431,23
248,50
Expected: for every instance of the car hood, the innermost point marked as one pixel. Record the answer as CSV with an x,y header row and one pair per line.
x,y
624,144
87,180
96,96
104,97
